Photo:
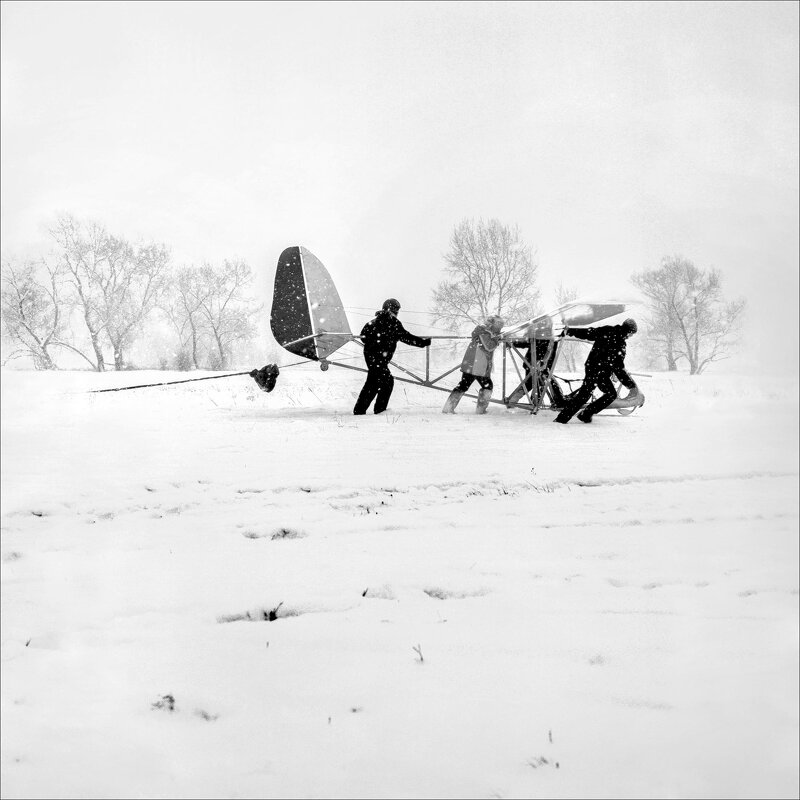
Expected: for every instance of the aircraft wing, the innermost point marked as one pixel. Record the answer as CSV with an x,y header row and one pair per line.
x,y
576,313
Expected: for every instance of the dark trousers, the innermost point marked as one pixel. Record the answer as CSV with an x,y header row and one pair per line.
x,y
575,401
467,379
558,397
378,387
625,379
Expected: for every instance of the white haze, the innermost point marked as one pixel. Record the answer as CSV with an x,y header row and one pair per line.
x,y
613,134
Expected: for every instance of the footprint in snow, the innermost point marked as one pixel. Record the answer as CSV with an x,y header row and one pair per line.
x,y
540,761
261,614
379,592
449,594
275,533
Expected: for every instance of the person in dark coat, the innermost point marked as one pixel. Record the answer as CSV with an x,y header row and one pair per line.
x,y
606,358
545,358
380,337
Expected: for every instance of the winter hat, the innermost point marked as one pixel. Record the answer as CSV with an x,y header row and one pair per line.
x,y
630,325
391,305
495,323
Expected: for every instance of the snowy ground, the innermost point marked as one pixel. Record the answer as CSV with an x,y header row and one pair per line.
x,y
461,606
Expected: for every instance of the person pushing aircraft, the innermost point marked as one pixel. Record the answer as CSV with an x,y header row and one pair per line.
x,y
477,365
380,337
606,358
308,319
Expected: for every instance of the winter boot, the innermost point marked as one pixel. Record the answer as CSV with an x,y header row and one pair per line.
x,y
452,401
583,416
483,401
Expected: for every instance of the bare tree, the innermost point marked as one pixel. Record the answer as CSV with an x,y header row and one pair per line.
x,y
82,251
34,316
225,309
565,294
662,336
131,294
490,270
184,307
688,315
568,352
115,284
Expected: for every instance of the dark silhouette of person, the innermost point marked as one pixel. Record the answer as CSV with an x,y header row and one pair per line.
x,y
545,358
606,358
380,337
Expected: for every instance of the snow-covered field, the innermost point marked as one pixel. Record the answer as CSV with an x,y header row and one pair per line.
x,y
404,605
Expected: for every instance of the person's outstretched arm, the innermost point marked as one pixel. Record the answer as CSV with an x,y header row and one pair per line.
x,y
590,334
408,338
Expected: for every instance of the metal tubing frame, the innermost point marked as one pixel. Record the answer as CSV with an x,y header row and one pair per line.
x,y
534,404
424,385
535,400
515,354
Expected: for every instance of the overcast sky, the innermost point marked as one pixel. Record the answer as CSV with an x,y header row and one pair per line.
x,y
613,134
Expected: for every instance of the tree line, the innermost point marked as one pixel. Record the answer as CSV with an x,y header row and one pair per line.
x,y
94,293
687,321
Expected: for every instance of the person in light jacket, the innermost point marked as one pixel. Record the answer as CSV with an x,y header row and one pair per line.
x,y
477,366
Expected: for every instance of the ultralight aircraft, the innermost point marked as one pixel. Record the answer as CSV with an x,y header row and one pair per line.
x,y
308,319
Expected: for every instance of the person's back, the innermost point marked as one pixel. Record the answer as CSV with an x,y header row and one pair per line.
x,y
609,345
382,333
379,335
478,356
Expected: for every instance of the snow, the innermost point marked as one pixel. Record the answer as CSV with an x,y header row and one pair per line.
x,y
465,606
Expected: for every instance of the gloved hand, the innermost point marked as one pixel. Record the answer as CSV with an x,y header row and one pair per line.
x,y
426,341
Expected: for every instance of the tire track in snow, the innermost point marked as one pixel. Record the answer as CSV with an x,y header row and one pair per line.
x,y
480,488
686,504
635,523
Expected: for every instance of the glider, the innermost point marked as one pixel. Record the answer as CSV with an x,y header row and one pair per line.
x,y
308,319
